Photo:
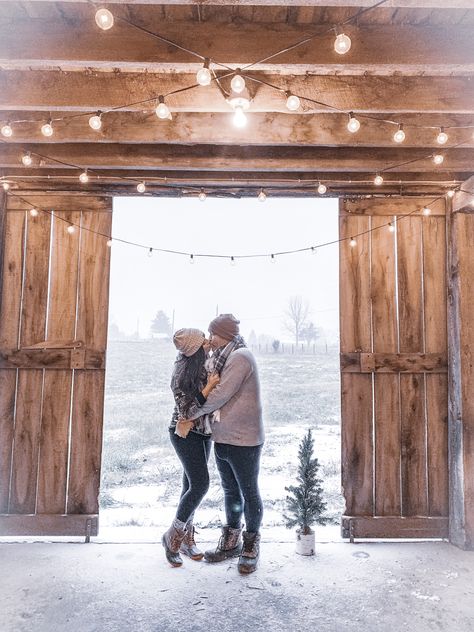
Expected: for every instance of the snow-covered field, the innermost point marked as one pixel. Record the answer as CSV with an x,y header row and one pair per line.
x,y
141,474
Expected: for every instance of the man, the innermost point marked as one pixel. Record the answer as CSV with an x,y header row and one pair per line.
x,y
238,437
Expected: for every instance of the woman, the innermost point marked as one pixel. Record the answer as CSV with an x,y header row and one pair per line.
x,y
190,386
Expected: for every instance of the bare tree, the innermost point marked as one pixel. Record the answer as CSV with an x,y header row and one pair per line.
x,y
295,316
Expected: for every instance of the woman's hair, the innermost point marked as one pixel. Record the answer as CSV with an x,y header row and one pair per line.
x,y
190,379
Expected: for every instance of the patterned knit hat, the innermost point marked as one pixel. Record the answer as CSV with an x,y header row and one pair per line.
x,y
188,341
225,325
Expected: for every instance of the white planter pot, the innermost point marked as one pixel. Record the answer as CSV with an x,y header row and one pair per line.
x,y
305,543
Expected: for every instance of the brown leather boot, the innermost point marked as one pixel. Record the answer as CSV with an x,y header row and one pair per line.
x,y
188,545
172,540
250,552
229,545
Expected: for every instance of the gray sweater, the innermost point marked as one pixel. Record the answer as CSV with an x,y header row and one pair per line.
x,y
237,396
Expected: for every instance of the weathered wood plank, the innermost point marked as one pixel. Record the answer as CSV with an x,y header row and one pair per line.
x,y
13,258
395,206
50,201
7,410
51,359
394,527
413,4
437,433
410,297
394,362
49,525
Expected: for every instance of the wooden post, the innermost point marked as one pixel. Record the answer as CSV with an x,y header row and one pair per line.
x,y
3,210
460,226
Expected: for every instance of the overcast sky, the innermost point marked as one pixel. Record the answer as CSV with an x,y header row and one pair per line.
x,y
255,290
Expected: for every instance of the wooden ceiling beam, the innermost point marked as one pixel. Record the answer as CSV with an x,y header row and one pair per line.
x,y
214,157
380,49
78,92
322,129
391,4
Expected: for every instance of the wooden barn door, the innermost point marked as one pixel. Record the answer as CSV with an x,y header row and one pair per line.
x,y
53,327
394,369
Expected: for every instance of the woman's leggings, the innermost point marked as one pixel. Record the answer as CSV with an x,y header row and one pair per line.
x,y
193,452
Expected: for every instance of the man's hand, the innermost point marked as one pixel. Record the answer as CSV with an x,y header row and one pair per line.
x,y
183,427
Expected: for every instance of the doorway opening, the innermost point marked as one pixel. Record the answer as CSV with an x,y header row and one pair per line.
x,y
153,293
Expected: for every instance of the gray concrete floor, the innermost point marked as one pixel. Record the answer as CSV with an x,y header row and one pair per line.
x,y
367,586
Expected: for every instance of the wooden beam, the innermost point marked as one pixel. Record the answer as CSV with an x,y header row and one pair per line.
x,y
393,362
380,49
407,4
393,527
275,128
44,524
79,92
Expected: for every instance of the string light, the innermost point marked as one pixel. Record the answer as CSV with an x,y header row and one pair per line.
x,y
313,250
202,195
391,227
7,130
438,159
191,259
442,137
378,180
262,196
150,252
272,259
239,119
354,124
84,177
104,19
322,188
27,160
399,135
352,242
203,75
95,121
232,261
342,44
71,229
47,128
34,212
426,210
6,186
238,82
141,187
450,193
110,243
162,111
292,102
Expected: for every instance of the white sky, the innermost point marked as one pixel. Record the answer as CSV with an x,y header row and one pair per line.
x,y
255,290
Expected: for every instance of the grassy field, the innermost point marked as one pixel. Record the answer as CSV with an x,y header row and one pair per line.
x,y
140,472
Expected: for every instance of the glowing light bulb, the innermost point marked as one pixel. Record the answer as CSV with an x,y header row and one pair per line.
x,y
141,187
438,159
262,196
162,111
399,135
342,44
191,259
239,120
314,250
203,75
7,130
378,180
354,124
95,122
34,212
322,188
442,137
391,227
27,160
450,193
426,211
84,177
232,261
150,252
104,19
71,229
109,243
47,129
5,186
273,258
352,242
238,83
293,102
202,195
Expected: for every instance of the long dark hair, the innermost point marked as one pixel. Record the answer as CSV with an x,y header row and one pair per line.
x,y
190,379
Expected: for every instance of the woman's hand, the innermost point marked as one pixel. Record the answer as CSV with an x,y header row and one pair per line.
x,y
212,381
183,427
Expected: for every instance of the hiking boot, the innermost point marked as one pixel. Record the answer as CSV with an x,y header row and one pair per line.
x,y
229,545
250,552
188,545
172,540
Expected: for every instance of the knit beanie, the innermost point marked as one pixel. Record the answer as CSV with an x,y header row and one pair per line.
x,y
225,325
188,341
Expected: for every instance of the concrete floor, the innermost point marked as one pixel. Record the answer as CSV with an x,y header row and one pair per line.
x,y
108,587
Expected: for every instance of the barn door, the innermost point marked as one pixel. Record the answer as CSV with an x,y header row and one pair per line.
x,y
394,368
53,326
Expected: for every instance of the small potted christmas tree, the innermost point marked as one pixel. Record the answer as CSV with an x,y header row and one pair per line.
x,y
304,503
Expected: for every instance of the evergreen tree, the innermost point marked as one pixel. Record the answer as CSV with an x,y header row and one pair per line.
x,y
305,504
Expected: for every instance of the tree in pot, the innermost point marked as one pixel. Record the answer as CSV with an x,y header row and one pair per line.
x,y
305,505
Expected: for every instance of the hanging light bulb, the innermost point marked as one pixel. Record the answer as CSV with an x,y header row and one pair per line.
x,y
292,102
342,44
426,211
47,128
238,82
239,120
202,195
191,259
450,193
322,188
84,177
5,186
262,196
272,258
314,250
109,243
391,227
150,252
26,159
203,75
438,159
104,19
378,180
95,121
141,187
352,242
354,124
7,130
71,229
232,261
442,137
162,111
399,135
34,212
